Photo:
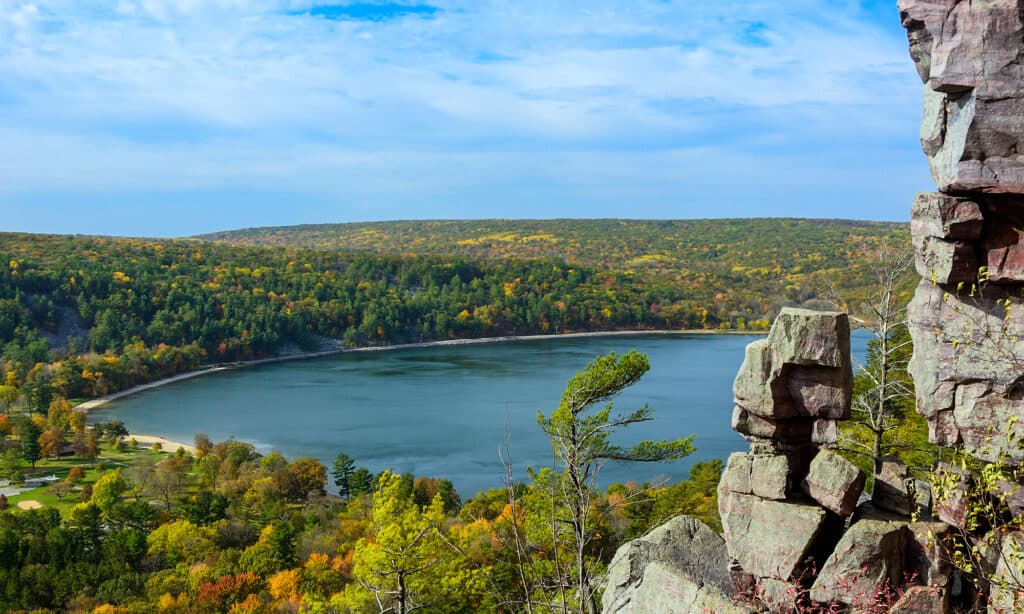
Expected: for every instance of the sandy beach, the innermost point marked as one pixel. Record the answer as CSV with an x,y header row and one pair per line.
x,y
168,445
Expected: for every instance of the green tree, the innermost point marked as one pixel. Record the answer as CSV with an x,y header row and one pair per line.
x,y
341,471
181,542
884,422
406,564
303,477
360,482
580,442
107,490
28,436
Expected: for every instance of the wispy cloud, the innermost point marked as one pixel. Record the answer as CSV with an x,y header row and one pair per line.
x,y
430,109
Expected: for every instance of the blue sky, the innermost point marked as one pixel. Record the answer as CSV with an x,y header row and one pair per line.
x,y
176,117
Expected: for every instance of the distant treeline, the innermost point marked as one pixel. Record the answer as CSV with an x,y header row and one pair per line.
x,y
84,316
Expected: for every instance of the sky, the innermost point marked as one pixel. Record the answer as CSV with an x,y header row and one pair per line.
x,y
178,117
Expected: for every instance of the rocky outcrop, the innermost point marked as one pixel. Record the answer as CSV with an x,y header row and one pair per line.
x,y
781,502
680,568
968,56
834,482
967,316
794,531
968,363
868,560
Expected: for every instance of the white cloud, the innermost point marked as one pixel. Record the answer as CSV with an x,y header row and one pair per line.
x,y
207,94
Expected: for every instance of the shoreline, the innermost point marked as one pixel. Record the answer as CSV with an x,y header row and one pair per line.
x,y
91,404
167,445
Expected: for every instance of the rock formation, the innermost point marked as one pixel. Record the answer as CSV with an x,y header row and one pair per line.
x,y
794,531
797,530
678,568
967,54
966,316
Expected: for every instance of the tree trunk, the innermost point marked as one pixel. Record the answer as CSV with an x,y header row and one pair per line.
x,y
876,451
401,593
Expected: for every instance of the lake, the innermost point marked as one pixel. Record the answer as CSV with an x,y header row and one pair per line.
x,y
444,411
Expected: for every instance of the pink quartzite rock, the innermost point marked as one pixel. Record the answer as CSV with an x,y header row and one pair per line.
x,y
805,337
945,217
892,489
801,371
922,600
968,366
927,551
944,262
764,475
1004,253
951,500
769,539
866,559
680,567
752,426
757,389
834,482
968,54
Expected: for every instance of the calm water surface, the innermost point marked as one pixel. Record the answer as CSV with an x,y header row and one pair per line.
x,y
443,411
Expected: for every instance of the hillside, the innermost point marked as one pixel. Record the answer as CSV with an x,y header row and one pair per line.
x,y
735,267
625,245
154,307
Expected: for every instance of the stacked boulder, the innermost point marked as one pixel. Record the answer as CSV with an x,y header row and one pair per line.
x,y
797,529
783,503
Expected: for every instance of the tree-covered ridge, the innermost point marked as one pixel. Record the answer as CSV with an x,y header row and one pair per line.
x,y
732,248
140,309
152,307
729,266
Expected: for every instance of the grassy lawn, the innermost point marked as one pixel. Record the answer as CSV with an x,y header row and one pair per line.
x,y
109,457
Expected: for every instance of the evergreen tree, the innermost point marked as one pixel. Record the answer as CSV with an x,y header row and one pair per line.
x,y
342,470
580,442
28,435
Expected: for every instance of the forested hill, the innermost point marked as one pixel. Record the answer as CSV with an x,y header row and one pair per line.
x,y
779,245
83,316
735,268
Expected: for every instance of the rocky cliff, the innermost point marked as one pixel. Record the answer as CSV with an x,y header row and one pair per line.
x,y
798,531
966,316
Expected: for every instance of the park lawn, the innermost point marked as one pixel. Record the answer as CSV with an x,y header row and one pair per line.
x,y
111,458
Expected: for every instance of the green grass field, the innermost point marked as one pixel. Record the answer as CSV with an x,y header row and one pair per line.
x,y
110,459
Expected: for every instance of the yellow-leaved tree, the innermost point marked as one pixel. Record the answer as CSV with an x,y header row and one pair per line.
x,y
407,561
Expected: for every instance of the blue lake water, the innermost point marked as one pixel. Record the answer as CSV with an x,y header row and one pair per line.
x,y
444,411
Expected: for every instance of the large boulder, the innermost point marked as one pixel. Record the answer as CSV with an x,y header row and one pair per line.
x,y
867,560
1007,587
681,567
968,54
799,375
769,539
834,482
